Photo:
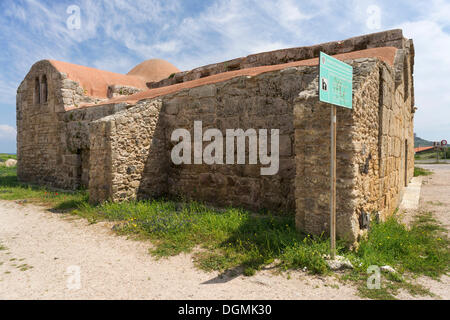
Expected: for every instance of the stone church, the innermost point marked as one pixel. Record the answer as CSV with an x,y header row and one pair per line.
x,y
110,133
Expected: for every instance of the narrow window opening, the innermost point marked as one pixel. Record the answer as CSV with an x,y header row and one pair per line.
x,y
405,80
37,91
44,89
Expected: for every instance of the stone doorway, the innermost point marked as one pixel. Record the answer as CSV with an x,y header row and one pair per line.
x,y
83,168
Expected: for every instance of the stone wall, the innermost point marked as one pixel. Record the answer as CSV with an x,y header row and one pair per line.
x,y
139,139
123,152
140,142
52,143
75,142
38,136
115,91
127,154
261,102
371,170
396,135
100,173
356,149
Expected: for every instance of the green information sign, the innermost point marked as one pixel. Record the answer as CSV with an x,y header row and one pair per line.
x,y
335,81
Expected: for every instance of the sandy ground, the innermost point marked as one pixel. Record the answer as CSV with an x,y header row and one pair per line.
x,y
112,267
44,252
435,194
435,198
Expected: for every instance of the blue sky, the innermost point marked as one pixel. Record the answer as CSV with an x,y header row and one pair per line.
x,y
116,35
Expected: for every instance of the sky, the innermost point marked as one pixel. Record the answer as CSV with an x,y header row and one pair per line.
x,y
116,35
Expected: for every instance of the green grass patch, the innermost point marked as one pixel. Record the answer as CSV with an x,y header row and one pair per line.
x,y
12,189
5,156
421,250
390,289
24,267
425,155
431,154
237,240
435,203
226,239
421,172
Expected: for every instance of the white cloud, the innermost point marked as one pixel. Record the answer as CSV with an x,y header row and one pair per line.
x,y
115,35
440,12
231,28
114,64
134,24
286,12
172,46
8,91
15,11
431,75
7,132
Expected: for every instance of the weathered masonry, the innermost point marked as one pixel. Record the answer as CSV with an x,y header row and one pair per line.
x,y
110,133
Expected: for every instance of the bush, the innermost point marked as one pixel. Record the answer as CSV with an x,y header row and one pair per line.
x,y
421,172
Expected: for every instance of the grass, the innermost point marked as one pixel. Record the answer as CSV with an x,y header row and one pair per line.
x,y
24,267
435,203
421,172
425,155
431,154
5,156
12,189
226,239
421,250
244,242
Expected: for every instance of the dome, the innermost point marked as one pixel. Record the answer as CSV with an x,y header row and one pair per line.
x,y
153,70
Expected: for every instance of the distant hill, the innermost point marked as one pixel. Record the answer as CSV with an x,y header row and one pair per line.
x,y
419,142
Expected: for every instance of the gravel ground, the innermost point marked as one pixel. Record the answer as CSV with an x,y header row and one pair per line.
x,y
435,194
42,252
435,198
41,246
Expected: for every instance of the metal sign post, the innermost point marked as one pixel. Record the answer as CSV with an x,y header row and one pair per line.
x,y
436,149
444,147
333,183
336,88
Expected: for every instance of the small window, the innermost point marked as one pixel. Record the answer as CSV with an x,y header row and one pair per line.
x,y
44,89
405,79
37,91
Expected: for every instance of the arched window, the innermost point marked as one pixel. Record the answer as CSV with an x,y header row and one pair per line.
x,y
37,91
44,89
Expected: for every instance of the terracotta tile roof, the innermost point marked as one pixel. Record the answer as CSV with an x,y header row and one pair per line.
x,y
95,81
153,70
386,54
420,149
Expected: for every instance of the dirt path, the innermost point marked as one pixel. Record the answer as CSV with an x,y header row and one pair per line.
x,y
113,267
40,253
435,198
435,193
